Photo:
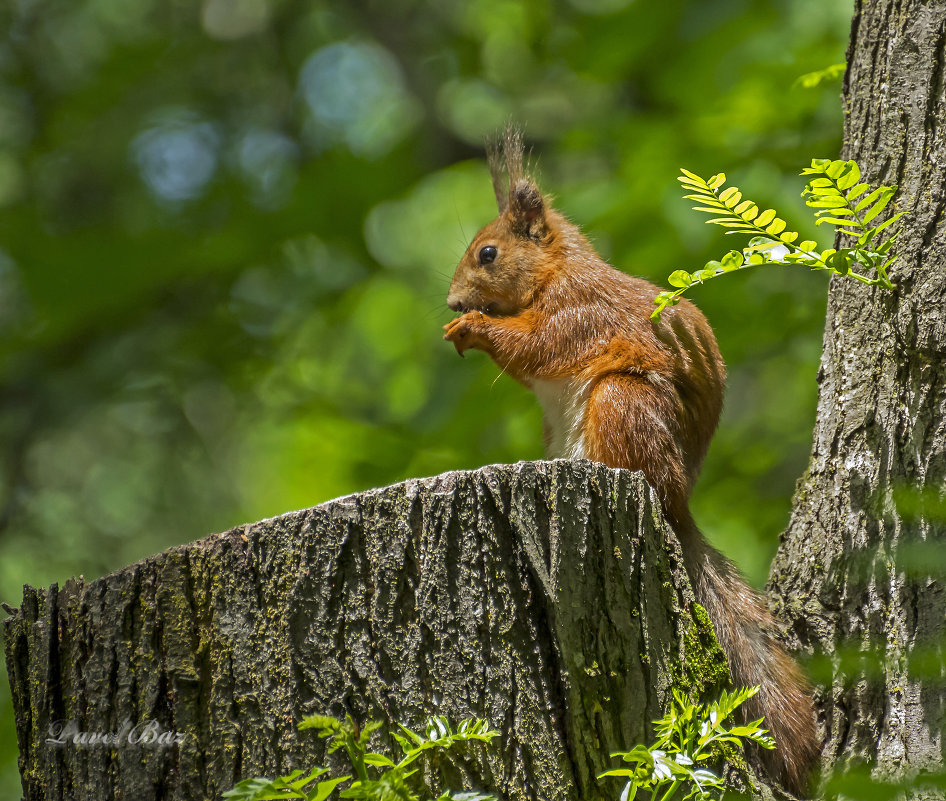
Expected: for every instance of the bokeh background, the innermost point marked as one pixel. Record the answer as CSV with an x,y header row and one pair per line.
x,y
227,229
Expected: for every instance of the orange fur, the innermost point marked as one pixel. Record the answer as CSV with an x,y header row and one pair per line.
x,y
621,389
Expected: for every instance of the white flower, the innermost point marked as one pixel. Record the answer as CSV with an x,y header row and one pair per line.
x,y
683,759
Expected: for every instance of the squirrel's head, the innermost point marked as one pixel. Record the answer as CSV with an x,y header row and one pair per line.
x,y
507,260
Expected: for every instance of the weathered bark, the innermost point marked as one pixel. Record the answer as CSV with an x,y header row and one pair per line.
x,y
860,571
547,597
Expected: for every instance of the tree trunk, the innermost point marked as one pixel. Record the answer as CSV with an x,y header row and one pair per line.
x,y
548,598
860,570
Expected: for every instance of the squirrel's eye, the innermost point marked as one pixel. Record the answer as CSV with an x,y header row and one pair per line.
x,y
487,255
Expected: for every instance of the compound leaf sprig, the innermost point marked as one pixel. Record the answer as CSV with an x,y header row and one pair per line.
x,y
374,776
838,197
679,759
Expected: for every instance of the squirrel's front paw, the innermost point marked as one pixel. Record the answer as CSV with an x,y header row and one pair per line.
x,y
462,331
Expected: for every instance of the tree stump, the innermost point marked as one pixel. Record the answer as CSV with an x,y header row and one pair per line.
x,y
547,597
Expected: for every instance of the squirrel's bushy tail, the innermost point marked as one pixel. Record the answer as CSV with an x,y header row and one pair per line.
x,y
744,628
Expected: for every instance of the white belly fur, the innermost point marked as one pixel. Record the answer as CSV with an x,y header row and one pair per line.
x,y
563,403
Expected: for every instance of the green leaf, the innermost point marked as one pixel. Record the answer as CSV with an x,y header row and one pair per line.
x,y
638,752
406,745
807,258
378,760
857,191
325,722
324,789
878,207
708,209
290,786
249,789
822,191
843,211
836,168
866,201
839,263
366,731
765,218
680,278
391,786
812,79
717,180
298,784
776,227
620,772
705,197
850,176
838,222
871,233
733,260
415,738
826,202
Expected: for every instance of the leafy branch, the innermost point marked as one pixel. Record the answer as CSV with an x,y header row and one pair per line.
x,y
838,196
685,739
812,79
377,777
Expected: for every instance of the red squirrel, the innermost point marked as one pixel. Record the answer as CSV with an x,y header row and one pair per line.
x,y
619,388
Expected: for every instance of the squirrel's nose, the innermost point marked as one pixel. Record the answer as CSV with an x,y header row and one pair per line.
x,y
455,304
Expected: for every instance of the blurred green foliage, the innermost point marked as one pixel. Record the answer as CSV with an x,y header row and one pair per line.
x,y
227,229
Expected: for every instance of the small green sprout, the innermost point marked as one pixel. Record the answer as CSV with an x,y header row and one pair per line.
x,y
677,761
377,777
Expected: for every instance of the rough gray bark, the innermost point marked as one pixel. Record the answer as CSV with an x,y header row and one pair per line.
x,y
860,571
547,597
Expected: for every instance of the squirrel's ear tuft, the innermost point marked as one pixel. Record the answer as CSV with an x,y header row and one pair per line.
x,y
527,210
517,195
505,155
497,172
